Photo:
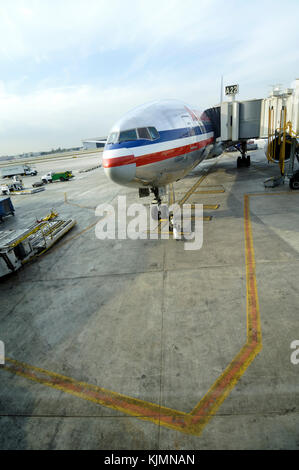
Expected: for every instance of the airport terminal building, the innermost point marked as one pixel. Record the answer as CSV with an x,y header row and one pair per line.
x,y
94,143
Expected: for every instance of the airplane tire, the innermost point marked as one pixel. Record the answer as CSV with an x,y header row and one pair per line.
x,y
171,222
248,161
164,211
155,212
294,184
239,162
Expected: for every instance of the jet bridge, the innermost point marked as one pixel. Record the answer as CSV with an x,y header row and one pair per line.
x,y
275,118
235,122
240,120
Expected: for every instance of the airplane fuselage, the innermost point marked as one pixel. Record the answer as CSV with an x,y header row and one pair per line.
x,y
156,144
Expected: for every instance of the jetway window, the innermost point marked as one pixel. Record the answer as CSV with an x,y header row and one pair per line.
x,y
125,136
143,133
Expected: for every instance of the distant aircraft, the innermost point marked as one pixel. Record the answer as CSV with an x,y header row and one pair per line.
x,y
158,143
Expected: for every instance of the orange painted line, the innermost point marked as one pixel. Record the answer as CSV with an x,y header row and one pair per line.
x,y
129,405
190,423
219,391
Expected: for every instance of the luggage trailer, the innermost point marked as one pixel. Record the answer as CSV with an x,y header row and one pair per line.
x,y
17,247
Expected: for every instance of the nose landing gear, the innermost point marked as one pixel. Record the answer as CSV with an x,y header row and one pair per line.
x,y
159,211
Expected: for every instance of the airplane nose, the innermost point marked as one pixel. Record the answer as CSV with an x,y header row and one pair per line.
x,y
122,174
119,165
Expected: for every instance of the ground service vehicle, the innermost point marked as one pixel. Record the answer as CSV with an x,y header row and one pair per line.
x,y
57,176
10,171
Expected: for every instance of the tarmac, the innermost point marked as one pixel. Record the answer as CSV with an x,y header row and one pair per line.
x,y
142,344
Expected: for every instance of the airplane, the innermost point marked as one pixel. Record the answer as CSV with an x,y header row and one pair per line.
x,y
159,143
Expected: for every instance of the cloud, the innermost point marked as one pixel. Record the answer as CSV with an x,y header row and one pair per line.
x,y
71,68
39,29
63,116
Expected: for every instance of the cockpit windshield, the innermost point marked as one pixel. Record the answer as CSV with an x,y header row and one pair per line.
x,y
113,137
142,133
154,133
124,136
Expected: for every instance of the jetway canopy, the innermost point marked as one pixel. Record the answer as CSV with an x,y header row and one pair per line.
x,y
240,120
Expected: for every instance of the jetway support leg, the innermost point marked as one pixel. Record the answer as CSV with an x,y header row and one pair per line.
x,y
244,160
293,175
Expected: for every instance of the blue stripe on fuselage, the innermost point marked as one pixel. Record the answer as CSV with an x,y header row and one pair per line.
x,y
165,136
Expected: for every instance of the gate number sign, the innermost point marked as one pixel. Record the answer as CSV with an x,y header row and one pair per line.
x,y
232,89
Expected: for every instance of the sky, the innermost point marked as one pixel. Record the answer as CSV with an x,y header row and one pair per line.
x,y
70,68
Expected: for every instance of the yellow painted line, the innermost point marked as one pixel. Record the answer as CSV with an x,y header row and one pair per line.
x,y
128,405
210,191
184,198
192,190
205,218
205,206
210,206
66,201
190,423
220,390
74,236
195,421
171,194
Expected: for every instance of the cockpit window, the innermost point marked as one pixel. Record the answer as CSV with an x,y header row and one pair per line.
x,y
154,133
124,136
148,133
113,138
143,133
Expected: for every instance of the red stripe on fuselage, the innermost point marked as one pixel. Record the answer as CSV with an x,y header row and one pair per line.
x,y
155,157
118,161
